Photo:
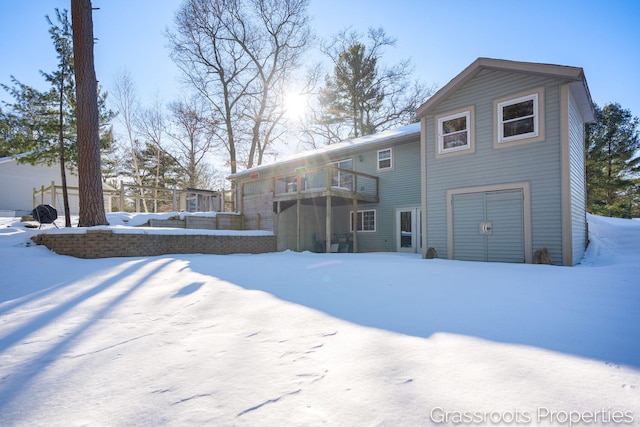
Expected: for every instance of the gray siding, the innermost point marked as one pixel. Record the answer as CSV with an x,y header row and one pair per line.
x,y
577,181
537,162
399,187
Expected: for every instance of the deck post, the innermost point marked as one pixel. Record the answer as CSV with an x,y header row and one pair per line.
x,y
298,225
328,225
355,225
53,194
122,196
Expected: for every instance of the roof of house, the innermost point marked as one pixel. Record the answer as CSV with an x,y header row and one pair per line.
x,y
575,75
384,137
12,158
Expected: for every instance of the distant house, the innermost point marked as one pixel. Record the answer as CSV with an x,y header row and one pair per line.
x,y
18,181
493,171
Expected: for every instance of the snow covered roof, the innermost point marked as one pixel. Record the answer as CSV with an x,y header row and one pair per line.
x,y
386,136
12,158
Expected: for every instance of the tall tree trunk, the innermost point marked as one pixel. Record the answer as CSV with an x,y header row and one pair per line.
x,y
63,173
89,173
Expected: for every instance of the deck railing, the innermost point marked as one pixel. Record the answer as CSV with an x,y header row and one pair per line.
x,y
328,178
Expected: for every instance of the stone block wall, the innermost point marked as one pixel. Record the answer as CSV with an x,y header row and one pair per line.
x,y
106,244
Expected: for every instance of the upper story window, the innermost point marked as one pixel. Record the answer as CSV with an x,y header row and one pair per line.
x,y
455,132
385,159
520,118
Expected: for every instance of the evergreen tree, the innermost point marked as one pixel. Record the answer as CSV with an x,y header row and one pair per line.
x,y
353,93
612,162
42,124
90,177
361,92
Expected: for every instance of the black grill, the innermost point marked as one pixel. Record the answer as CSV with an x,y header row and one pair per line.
x,y
45,214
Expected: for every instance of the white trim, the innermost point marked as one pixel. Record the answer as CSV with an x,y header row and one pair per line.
x,y
416,230
502,122
375,221
390,159
442,135
468,113
535,95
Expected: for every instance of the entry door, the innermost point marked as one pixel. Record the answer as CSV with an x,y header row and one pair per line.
x,y
408,230
489,226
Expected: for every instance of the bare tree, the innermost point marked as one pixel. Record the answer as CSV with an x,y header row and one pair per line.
x,y
90,177
126,103
237,54
193,138
152,127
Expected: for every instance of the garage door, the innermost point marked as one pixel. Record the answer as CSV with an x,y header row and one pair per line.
x,y
488,226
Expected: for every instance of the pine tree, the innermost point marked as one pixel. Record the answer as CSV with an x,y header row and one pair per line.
x,y
361,92
612,162
90,177
353,92
42,124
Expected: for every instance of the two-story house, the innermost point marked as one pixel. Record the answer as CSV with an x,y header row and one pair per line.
x,y
493,172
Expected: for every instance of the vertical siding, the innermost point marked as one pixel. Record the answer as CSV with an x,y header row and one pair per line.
x,y
257,205
537,163
577,181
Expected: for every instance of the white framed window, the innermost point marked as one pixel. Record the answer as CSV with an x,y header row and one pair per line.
x,y
454,132
385,159
366,220
520,118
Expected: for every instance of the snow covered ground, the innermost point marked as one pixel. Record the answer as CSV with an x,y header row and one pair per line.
x,y
318,339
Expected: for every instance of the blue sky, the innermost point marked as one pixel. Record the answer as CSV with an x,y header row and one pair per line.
x,y
440,37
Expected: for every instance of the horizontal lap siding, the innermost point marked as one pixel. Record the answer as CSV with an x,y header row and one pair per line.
x,y
397,187
468,212
505,212
537,163
577,182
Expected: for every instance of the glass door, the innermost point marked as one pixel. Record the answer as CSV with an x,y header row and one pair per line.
x,y
408,230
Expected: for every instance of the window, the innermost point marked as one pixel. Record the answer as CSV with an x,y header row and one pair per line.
x,y
366,220
517,118
341,179
385,159
520,118
454,132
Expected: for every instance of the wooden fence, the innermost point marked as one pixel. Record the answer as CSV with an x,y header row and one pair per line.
x,y
137,198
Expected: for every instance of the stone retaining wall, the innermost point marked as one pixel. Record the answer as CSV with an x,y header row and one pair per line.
x,y
106,244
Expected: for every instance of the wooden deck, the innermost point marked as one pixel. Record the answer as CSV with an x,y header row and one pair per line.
x,y
314,186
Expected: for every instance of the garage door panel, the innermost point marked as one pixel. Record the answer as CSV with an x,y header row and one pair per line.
x,y
468,212
503,211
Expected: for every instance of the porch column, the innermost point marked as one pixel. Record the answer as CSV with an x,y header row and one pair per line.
x,y
328,225
298,224
355,225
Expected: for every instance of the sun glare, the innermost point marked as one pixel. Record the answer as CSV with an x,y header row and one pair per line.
x,y
295,105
